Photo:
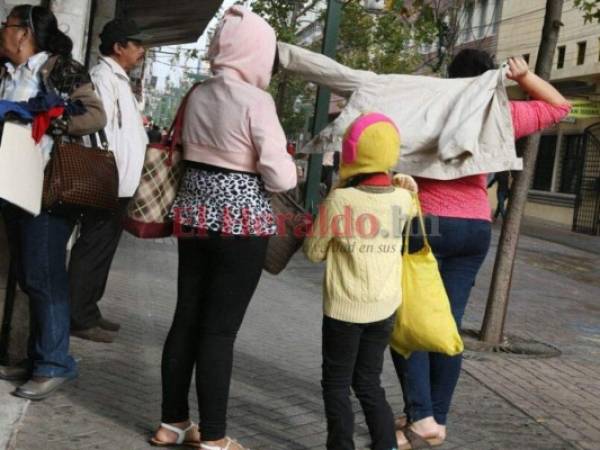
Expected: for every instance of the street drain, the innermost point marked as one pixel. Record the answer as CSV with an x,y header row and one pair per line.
x,y
511,346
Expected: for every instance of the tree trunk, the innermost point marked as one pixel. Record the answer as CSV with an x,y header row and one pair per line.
x,y
281,94
497,304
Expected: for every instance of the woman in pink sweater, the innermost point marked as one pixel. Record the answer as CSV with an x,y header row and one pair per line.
x,y
459,218
235,152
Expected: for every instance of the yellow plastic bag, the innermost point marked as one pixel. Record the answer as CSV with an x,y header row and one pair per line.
x,y
424,321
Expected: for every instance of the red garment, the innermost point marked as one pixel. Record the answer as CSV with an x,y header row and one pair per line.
x,y
377,179
467,197
535,115
291,148
42,121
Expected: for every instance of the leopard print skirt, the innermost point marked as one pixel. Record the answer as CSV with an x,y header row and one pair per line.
x,y
229,203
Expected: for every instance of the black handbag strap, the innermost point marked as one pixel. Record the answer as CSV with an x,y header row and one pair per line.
x,y
103,139
93,139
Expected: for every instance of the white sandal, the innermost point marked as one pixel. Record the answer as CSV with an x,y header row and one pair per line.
x,y
180,441
216,447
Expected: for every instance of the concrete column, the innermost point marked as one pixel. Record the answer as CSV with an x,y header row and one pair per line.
x,y
3,10
73,18
105,11
7,5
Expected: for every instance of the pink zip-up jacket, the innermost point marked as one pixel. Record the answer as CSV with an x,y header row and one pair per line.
x,y
230,120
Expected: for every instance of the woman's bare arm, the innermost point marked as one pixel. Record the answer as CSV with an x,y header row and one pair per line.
x,y
534,86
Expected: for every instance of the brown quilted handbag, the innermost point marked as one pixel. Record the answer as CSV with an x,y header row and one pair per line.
x,y
79,177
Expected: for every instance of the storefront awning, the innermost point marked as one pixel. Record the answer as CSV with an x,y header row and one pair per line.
x,y
584,109
170,21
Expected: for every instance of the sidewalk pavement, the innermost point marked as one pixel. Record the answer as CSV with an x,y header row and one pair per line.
x,y
501,402
559,234
12,413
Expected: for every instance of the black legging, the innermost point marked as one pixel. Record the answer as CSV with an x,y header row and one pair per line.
x,y
217,278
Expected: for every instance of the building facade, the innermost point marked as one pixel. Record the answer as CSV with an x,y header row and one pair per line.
x,y
470,24
479,22
310,28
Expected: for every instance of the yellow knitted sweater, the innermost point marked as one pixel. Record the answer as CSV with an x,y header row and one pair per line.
x,y
358,232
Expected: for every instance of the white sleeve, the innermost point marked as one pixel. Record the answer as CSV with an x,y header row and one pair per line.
x,y
275,165
321,69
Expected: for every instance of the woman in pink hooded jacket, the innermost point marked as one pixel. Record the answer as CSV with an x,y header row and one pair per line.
x,y
235,152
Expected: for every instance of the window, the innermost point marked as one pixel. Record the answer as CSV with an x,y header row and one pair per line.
x,y
495,21
526,57
561,57
544,166
482,17
467,33
581,53
570,161
470,16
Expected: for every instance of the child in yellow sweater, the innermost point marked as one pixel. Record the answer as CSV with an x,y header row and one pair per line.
x,y
358,232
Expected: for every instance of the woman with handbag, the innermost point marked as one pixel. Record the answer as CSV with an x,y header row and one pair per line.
x,y
40,61
235,152
460,211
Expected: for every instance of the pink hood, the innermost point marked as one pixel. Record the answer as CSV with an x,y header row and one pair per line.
x,y
244,44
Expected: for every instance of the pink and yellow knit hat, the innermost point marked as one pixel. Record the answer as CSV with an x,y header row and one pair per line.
x,y
371,144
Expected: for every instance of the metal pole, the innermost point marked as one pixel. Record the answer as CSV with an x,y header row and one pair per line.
x,y
90,33
315,162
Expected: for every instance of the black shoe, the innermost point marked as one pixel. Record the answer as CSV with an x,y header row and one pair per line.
x,y
38,388
107,325
95,334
